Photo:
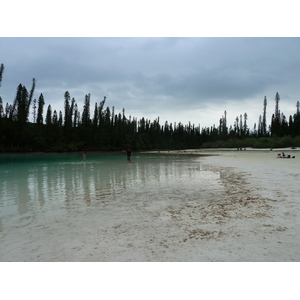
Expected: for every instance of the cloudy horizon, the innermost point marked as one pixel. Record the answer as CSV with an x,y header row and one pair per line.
x,y
175,79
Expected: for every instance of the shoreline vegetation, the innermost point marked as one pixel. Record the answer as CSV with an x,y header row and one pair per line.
x,y
107,130
262,143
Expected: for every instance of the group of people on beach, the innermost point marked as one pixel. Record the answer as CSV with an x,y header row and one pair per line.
x,y
128,153
282,155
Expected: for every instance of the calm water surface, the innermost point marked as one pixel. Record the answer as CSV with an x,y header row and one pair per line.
x,y
31,182
62,188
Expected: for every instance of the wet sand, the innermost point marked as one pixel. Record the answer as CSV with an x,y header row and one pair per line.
x,y
257,219
261,214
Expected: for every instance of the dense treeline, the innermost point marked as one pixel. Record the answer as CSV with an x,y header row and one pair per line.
x,y
107,130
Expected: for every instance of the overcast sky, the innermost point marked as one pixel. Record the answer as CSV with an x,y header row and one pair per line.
x,y
177,79
129,51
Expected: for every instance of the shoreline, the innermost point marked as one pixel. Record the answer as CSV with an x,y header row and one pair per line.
x,y
153,151
220,151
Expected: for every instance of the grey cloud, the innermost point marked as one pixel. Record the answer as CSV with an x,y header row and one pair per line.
x,y
162,75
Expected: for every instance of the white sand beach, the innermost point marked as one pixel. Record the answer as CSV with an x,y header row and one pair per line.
x,y
260,214
257,216
249,212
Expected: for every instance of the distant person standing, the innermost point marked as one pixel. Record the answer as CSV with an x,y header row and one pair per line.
x,y
129,153
84,156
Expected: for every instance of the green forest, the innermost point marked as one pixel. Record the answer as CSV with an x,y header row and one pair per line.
x,y
101,128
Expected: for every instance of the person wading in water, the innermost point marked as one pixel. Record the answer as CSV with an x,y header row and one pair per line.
x,y
129,153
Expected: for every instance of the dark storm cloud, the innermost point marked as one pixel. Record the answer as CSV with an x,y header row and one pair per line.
x,y
156,76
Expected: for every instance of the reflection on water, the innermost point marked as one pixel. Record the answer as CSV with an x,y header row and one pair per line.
x,y
34,186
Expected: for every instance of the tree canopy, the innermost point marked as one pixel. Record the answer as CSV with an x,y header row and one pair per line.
x,y
105,129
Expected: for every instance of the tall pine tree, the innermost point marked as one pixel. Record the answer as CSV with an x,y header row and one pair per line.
x,y
41,103
1,72
264,118
275,123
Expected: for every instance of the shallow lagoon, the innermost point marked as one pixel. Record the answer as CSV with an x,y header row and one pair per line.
x,y
31,183
48,201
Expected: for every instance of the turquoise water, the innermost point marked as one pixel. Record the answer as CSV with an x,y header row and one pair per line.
x,y
33,182
40,191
